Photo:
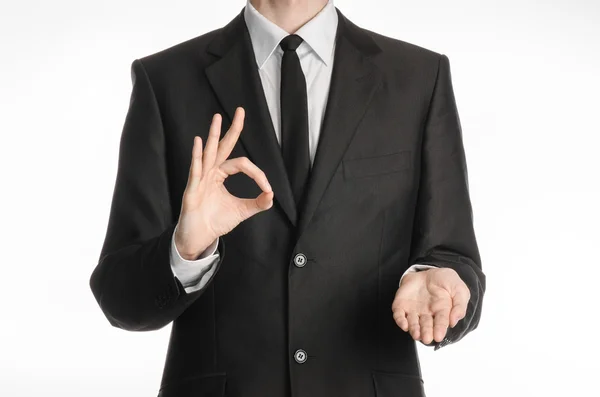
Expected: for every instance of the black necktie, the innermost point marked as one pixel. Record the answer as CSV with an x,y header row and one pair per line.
x,y
294,118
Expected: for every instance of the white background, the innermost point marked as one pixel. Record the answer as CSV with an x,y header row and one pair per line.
x,y
527,83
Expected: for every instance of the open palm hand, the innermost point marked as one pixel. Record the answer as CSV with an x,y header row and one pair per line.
x,y
430,301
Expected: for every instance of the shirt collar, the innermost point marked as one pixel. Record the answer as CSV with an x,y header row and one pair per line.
x,y
319,33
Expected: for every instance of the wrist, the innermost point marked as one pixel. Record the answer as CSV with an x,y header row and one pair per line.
x,y
190,248
409,277
194,253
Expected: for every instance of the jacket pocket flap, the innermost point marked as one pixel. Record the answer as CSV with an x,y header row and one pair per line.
x,y
210,385
370,166
389,384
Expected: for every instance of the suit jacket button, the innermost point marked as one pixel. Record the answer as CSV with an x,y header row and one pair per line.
x,y
300,356
300,260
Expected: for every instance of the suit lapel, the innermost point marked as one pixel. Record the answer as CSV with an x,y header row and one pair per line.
x,y
236,82
354,80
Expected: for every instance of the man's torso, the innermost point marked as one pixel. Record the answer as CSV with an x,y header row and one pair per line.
x,y
239,338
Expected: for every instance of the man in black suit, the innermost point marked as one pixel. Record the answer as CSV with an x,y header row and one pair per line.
x,y
306,257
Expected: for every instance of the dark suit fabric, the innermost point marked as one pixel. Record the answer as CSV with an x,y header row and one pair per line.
x,y
388,189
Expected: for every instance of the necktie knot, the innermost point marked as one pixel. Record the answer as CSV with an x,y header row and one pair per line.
x,y
291,42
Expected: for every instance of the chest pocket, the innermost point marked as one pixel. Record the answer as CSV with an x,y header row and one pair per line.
x,y
378,165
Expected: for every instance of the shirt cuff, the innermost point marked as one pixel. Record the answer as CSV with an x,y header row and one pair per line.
x,y
415,268
193,274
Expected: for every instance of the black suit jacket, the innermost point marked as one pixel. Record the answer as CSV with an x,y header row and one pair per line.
x,y
388,189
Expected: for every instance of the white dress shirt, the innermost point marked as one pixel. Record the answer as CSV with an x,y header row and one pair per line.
x,y
316,59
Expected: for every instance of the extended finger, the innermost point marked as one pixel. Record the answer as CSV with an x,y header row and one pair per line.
x,y
426,322
243,164
195,174
413,325
441,320
229,140
212,143
250,207
400,318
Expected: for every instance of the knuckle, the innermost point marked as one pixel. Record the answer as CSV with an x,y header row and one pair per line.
x,y
245,161
221,173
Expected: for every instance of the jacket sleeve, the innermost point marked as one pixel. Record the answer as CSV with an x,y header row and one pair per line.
x,y
443,234
133,282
